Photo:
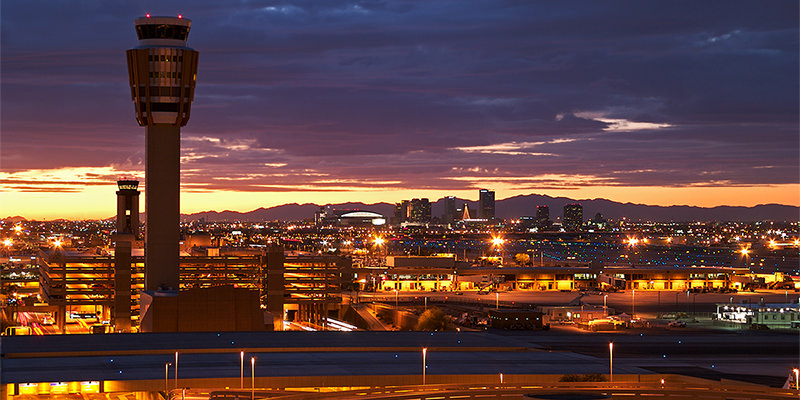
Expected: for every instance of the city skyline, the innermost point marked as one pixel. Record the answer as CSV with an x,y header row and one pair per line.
x,y
378,102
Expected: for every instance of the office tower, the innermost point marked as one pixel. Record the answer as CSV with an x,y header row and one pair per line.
x,y
162,72
449,210
319,216
573,217
127,233
401,212
420,210
486,204
543,217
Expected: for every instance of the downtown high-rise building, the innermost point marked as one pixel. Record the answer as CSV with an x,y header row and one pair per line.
x,y
419,210
414,210
573,217
449,214
543,217
486,204
400,212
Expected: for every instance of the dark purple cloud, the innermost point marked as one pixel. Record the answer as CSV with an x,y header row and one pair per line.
x,y
420,94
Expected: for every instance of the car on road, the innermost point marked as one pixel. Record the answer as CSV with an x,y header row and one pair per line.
x,y
676,324
48,321
638,323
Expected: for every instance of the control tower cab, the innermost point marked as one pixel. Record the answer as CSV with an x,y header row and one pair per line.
x,y
162,71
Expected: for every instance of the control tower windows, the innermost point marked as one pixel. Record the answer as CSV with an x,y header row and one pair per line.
x,y
162,31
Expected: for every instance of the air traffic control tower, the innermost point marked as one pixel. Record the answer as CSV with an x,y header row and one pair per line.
x,y
163,73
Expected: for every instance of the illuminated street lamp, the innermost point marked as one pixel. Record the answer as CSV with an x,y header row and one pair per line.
x,y
605,307
796,378
633,303
241,369
395,299
378,242
253,378
176,370
166,378
498,241
497,300
7,244
424,363
611,361
745,252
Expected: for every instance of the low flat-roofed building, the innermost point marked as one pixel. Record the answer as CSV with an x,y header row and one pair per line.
x,y
567,277
582,314
770,316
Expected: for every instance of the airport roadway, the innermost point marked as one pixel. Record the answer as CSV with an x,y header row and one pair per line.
x,y
763,356
518,390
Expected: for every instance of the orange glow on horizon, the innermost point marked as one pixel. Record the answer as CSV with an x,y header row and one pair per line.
x,y
99,201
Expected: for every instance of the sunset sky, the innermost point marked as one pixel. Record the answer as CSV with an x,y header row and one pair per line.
x,y
662,102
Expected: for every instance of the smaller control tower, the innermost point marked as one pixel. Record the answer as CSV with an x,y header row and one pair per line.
x,y
128,207
163,73
127,234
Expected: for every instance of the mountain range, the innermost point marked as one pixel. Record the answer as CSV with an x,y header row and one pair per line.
x,y
525,205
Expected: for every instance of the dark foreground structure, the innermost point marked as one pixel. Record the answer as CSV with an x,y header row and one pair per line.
x,y
288,361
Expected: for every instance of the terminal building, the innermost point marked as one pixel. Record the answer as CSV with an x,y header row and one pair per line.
x,y
445,274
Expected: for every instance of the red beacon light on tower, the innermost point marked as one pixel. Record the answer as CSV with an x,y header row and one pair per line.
x,y
147,15
180,16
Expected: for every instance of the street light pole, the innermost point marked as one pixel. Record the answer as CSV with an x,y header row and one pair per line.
x,y
253,378
633,303
176,370
241,370
497,300
611,361
605,307
395,299
424,363
166,378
